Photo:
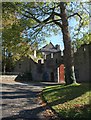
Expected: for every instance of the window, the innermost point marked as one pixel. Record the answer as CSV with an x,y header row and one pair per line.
x,y
19,65
51,55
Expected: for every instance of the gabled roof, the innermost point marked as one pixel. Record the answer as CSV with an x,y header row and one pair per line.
x,y
49,48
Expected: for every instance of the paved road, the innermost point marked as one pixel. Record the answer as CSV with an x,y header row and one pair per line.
x,y
21,101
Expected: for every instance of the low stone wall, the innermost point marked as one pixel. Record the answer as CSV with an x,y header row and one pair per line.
x,y
7,78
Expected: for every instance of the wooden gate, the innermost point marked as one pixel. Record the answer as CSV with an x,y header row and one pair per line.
x,y
61,73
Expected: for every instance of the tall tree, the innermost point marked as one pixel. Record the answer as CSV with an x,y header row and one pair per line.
x,y
14,34
14,30
54,16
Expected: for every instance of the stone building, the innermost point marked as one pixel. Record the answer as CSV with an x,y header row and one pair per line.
x,y
51,67
47,70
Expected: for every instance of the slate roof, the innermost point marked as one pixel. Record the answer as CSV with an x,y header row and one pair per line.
x,y
49,48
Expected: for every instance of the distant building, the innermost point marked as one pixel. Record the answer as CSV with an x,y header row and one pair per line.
x,y
49,70
50,49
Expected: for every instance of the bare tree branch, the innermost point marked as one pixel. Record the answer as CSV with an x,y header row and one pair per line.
x,y
74,15
58,23
86,9
31,16
52,21
57,14
37,31
37,20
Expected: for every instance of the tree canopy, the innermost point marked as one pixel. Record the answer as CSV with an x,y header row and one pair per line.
x,y
86,39
14,30
30,22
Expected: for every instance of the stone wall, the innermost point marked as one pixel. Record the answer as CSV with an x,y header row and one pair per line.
x,y
41,71
82,60
27,65
7,78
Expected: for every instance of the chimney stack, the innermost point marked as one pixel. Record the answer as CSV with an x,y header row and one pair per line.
x,y
57,47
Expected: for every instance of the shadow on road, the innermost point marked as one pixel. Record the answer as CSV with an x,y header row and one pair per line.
x,y
21,101
28,114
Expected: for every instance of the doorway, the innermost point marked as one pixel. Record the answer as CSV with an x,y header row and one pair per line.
x,y
52,77
61,74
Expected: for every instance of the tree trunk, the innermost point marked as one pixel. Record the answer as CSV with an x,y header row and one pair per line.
x,y
69,71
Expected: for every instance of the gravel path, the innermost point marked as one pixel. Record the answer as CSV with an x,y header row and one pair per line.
x,y
21,101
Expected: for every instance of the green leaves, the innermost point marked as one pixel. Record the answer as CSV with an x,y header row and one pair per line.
x,y
86,39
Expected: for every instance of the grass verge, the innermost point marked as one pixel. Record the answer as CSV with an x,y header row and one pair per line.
x,y
71,101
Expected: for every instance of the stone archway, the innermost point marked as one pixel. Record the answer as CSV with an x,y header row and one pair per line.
x,y
52,76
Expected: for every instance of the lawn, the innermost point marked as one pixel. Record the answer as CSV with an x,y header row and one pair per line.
x,y
71,101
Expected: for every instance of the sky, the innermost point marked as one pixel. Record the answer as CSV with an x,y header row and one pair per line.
x,y
57,39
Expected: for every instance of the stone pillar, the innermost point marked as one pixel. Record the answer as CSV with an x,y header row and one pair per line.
x,y
58,75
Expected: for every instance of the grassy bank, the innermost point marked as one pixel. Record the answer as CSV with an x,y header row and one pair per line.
x,y
72,101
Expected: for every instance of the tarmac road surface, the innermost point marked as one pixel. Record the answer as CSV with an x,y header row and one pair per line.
x,y
21,101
